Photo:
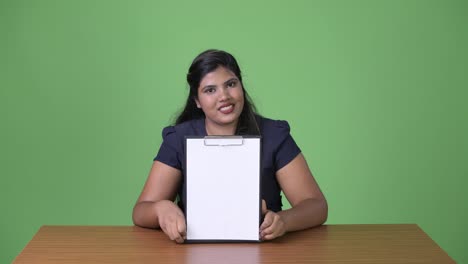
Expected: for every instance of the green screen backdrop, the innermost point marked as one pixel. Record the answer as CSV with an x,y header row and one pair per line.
x,y
375,93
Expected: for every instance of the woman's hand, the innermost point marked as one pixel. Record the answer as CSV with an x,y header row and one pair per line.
x,y
273,225
171,220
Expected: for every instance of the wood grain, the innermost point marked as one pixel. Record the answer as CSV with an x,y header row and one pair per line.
x,y
325,244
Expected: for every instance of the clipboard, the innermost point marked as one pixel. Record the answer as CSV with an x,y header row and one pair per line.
x,y
222,187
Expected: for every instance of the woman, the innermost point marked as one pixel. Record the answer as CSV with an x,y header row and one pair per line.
x,y
218,104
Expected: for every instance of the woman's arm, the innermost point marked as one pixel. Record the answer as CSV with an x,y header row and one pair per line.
x,y
308,205
155,207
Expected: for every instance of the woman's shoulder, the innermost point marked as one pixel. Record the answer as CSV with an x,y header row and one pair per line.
x,y
273,131
277,139
187,128
269,126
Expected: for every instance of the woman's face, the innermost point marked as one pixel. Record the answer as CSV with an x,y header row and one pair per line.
x,y
221,97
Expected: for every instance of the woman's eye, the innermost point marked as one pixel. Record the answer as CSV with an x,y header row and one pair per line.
x,y
210,90
231,84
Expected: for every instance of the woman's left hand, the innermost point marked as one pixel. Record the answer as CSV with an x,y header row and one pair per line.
x,y
273,225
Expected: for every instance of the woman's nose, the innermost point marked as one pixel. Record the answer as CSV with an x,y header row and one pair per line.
x,y
225,94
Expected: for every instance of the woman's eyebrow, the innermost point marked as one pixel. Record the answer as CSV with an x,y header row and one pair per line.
x,y
209,86
230,80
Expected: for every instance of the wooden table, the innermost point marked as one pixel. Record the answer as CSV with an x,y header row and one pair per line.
x,y
325,244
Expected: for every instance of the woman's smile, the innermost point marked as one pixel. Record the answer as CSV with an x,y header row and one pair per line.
x,y
226,109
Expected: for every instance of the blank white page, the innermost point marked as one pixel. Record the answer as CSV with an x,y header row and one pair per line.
x,y
223,188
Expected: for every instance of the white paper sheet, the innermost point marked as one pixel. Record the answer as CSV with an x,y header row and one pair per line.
x,y
223,188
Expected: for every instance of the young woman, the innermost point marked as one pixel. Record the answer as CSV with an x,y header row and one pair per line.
x,y
218,104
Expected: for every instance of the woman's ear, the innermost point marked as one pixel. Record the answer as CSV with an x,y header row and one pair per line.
x,y
197,102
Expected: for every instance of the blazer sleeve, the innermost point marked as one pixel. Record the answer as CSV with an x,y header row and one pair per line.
x,y
170,148
287,148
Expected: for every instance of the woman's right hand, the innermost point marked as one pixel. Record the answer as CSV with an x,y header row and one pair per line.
x,y
171,220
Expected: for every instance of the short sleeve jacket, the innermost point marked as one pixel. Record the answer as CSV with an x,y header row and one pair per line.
x,y
278,149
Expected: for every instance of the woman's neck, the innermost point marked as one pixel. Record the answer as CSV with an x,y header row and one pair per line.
x,y
218,130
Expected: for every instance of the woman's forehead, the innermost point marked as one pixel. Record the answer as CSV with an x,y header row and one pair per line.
x,y
220,75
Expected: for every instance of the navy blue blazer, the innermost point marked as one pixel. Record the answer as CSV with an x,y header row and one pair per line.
x,y
278,149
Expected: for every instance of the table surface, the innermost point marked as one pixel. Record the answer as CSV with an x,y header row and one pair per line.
x,y
405,243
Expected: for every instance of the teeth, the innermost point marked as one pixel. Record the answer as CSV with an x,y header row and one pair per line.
x,y
226,108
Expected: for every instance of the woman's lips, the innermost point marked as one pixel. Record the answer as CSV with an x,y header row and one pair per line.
x,y
227,109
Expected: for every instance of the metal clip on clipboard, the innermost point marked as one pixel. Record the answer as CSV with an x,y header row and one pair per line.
x,y
223,141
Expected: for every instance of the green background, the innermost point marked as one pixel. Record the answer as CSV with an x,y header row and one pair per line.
x,y
375,93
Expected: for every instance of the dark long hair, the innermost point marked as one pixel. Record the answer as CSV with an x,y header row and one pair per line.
x,y
208,61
